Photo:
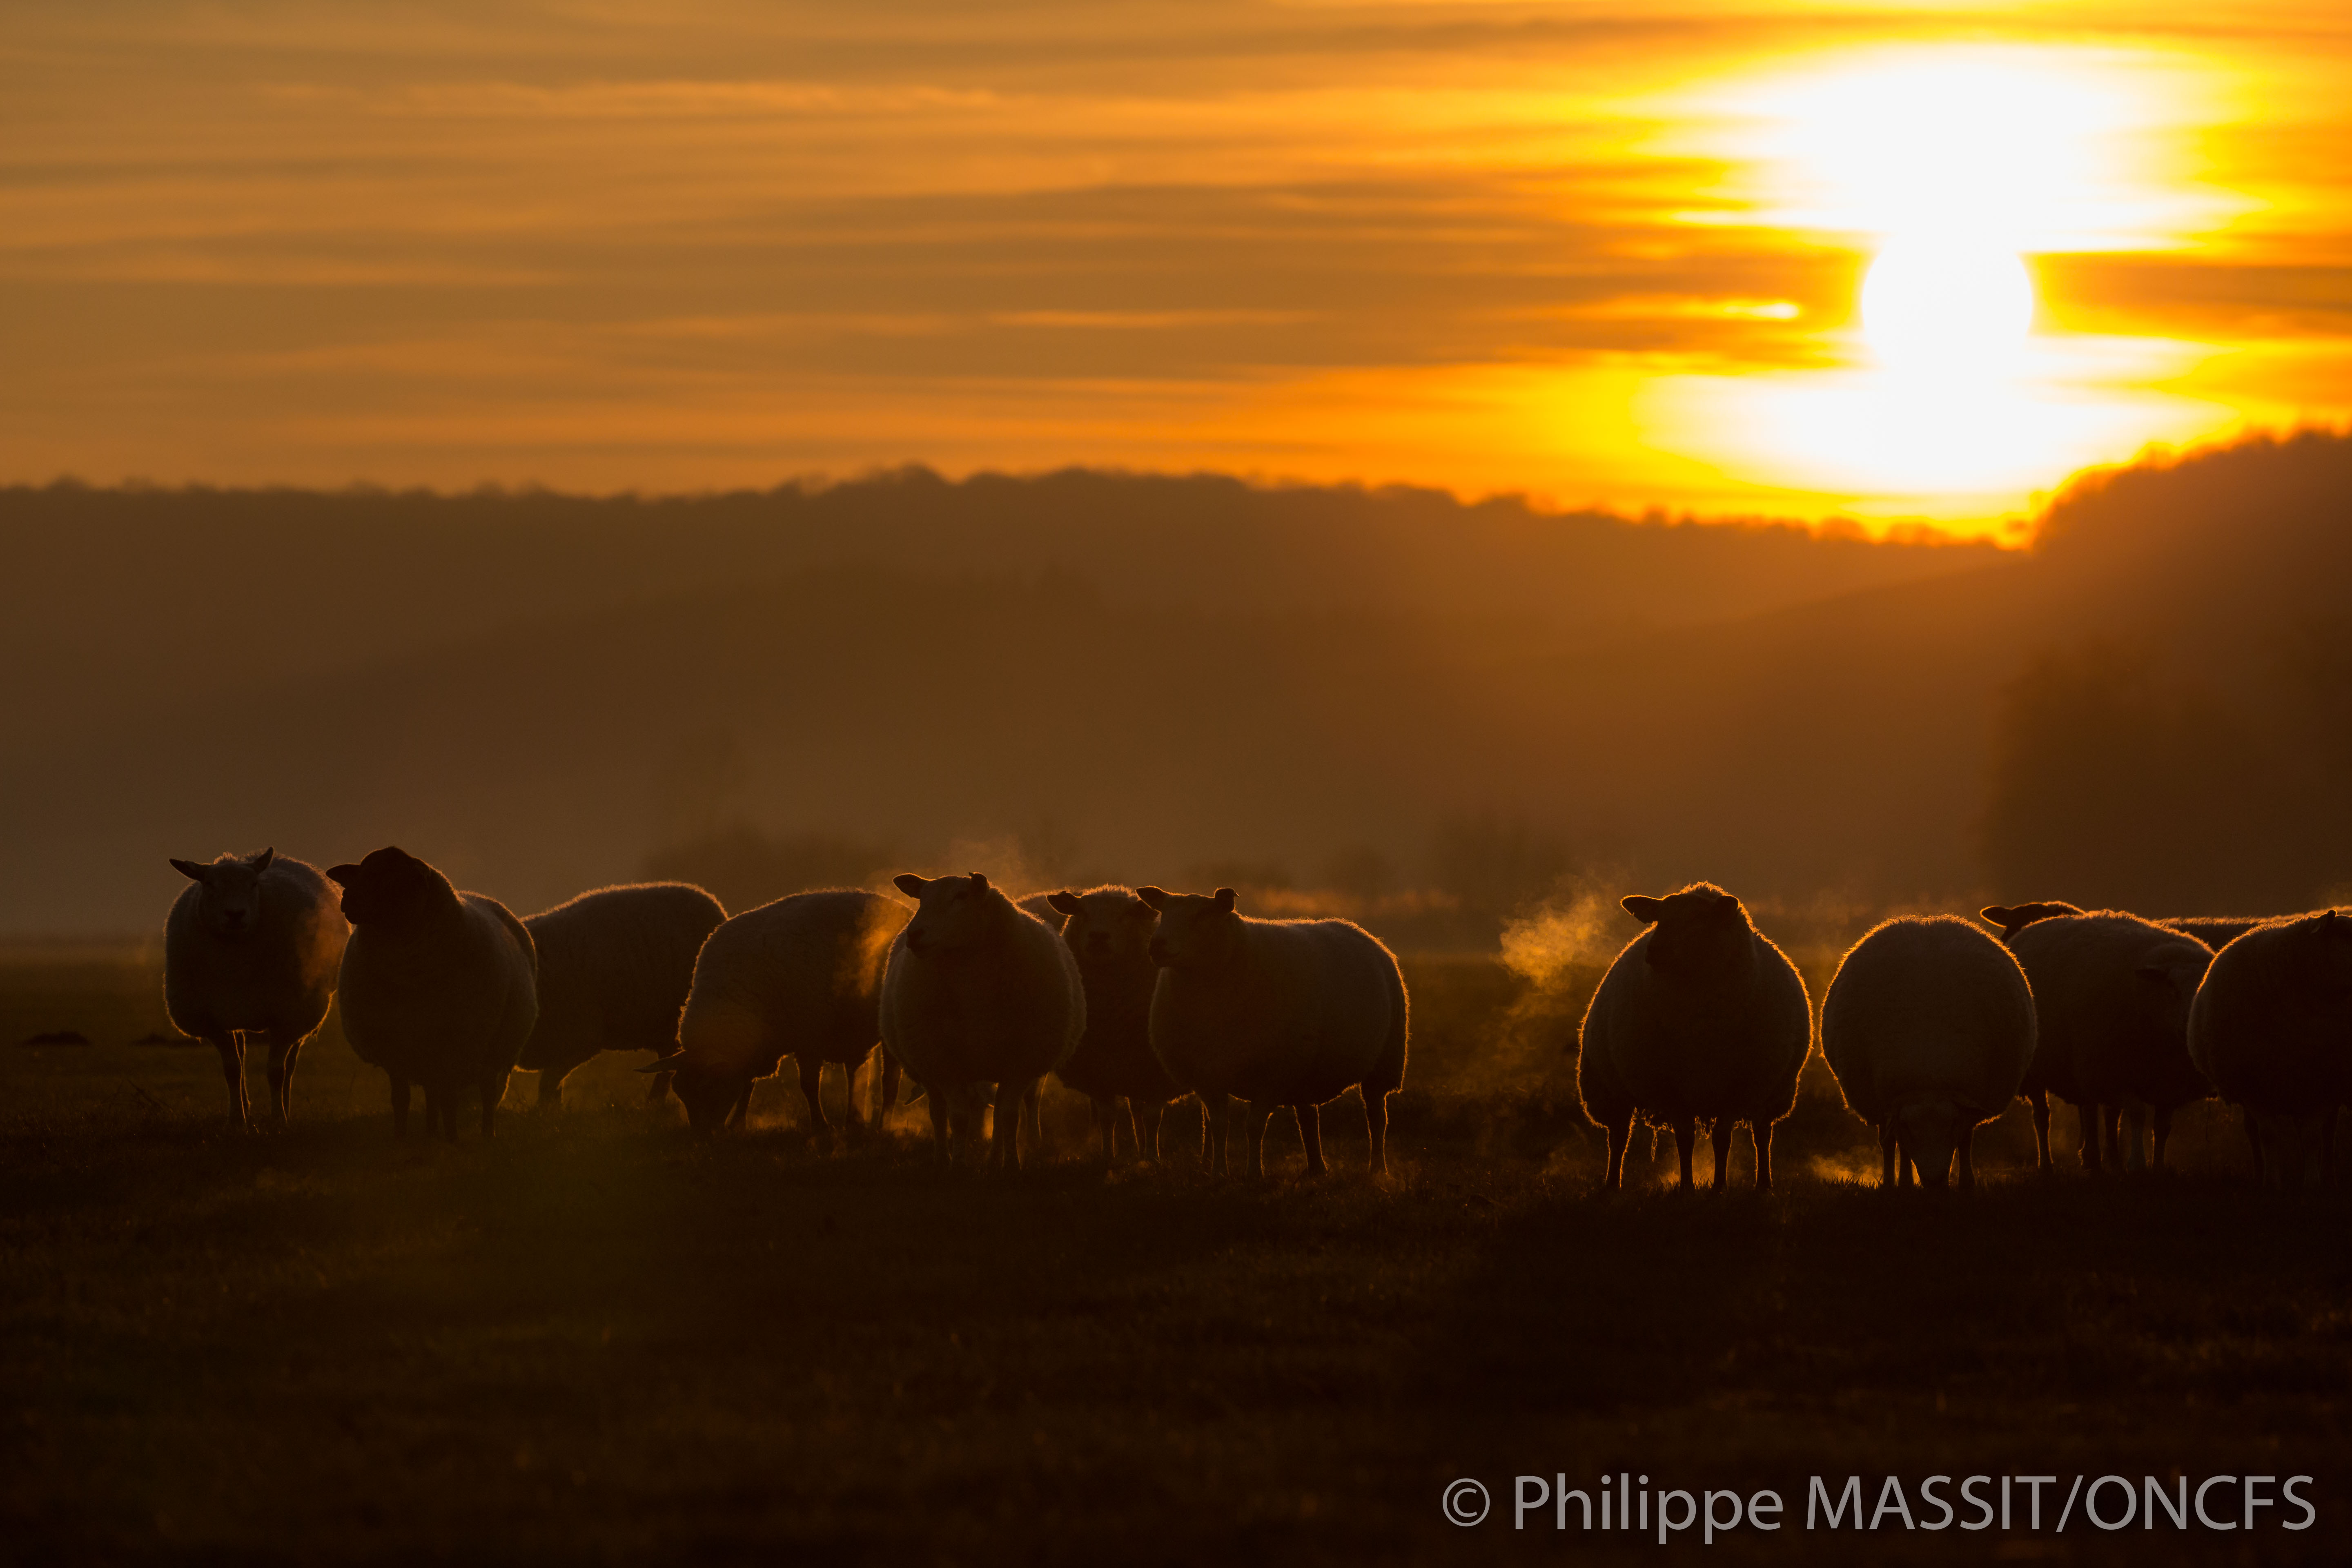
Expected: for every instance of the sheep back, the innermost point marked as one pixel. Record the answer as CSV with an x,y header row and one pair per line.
x,y
1928,1006
1298,1012
2111,999
615,968
801,976
1701,1017
277,978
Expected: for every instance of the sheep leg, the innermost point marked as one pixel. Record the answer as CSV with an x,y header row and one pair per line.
x,y
886,1090
494,1089
1004,1151
2111,1145
1621,1133
1376,1126
813,1092
1147,1118
282,1076
1216,1114
2089,1115
1255,1115
231,1047
1033,1117
658,1091
1310,1133
850,1120
739,1112
2040,1101
399,1106
1107,1124
1720,1136
1123,1114
1886,1156
938,1107
2163,1136
1686,1135
1760,1137
2134,1144
1968,1169
551,1087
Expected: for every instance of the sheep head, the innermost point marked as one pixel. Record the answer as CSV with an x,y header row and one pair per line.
x,y
229,904
1195,931
952,913
1107,926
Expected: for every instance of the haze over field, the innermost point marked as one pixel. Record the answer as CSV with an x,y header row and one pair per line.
x,y
1167,679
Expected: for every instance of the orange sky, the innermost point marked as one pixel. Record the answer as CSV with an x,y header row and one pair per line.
x,y
1598,253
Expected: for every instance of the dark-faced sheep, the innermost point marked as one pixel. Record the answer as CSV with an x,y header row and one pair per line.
x,y
1276,1013
251,953
2111,998
1928,1025
1700,1018
800,977
981,1002
614,966
440,988
2272,1027
1109,929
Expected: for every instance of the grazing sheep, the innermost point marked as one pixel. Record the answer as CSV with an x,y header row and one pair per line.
x,y
1700,1018
800,977
982,1000
2272,1026
250,954
2216,931
1929,1026
440,987
614,966
1109,931
2111,997
1276,1013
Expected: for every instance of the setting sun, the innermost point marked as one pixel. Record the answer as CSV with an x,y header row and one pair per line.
x,y
1933,307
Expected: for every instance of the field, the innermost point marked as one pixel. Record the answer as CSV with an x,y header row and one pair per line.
x,y
597,1339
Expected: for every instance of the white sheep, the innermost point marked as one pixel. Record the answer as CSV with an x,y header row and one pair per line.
x,y
439,987
981,1001
2272,1027
1276,1013
799,977
1109,930
614,966
1929,1026
1700,1018
2216,931
250,954
2111,998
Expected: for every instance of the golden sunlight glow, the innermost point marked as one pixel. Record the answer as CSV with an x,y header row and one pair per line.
x,y
1949,165
1934,307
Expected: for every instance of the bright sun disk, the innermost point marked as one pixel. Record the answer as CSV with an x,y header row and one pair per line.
x,y
1937,306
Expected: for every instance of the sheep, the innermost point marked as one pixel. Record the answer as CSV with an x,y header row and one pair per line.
x,y
981,1001
614,966
799,977
1276,1013
1929,1026
1700,1018
439,987
2111,997
1109,931
251,953
2272,1027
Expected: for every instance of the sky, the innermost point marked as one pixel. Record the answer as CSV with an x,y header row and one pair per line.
x,y
1884,262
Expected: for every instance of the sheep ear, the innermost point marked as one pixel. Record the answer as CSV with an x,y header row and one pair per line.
x,y
1155,896
910,884
189,869
1064,902
261,861
979,883
2000,915
342,876
666,1062
1644,909
1224,900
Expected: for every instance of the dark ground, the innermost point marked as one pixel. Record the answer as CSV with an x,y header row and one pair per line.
x,y
597,1338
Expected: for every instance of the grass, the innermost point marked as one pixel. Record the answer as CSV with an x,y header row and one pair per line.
x,y
597,1338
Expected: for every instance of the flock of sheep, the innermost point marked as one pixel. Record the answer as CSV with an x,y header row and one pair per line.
x,y
1136,997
